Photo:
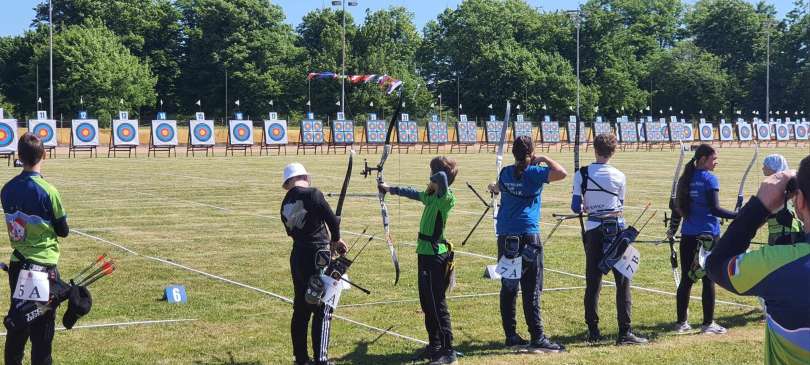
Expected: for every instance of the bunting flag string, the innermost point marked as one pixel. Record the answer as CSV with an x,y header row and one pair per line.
x,y
389,83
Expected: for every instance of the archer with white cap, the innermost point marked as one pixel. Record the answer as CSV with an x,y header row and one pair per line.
x,y
315,230
783,227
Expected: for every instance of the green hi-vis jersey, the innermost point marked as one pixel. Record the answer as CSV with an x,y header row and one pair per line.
x,y
433,224
33,213
779,233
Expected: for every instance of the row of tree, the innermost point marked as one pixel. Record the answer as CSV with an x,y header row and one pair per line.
x,y
636,56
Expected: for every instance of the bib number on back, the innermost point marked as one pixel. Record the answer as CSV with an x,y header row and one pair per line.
x,y
33,286
510,268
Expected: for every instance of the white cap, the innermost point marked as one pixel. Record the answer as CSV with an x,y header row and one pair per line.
x,y
776,163
292,170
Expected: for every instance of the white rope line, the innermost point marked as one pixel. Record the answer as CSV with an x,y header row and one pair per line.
x,y
233,282
120,324
480,256
465,296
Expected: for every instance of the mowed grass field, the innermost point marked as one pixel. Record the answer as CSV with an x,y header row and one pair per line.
x,y
220,216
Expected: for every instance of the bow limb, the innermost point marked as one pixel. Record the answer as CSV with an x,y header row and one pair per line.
x,y
576,169
740,191
380,180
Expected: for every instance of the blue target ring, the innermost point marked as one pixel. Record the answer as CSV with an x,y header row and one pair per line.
x,y
125,132
44,132
6,135
202,132
86,132
241,132
165,132
276,132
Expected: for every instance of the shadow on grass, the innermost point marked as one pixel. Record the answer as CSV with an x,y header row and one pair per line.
x,y
230,361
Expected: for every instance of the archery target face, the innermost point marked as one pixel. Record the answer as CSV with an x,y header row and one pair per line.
x,y
687,132
522,128
494,131
602,128
312,131
744,131
782,132
801,131
275,131
343,132
467,132
628,132
572,132
706,132
85,132
763,132
241,132
550,132
437,132
202,132
45,130
125,133
8,135
164,133
375,131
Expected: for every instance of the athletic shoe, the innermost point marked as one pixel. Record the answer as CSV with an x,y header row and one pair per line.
x,y
682,328
594,337
427,353
515,341
448,358
713,329
630,339
544,345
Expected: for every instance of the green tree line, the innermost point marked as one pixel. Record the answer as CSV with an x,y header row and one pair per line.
x,y
637,57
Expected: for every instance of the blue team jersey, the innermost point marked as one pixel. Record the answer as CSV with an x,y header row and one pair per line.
x,y
520,200
700,219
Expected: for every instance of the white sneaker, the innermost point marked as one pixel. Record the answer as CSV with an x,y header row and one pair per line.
x,y
682,328
713,329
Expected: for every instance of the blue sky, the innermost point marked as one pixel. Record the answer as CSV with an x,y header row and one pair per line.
x,y
16,15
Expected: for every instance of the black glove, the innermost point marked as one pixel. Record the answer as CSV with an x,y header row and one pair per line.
x,y
79,304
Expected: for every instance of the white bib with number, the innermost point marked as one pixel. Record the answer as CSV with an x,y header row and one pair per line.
x,y
510,268
628,264
32,285
332,290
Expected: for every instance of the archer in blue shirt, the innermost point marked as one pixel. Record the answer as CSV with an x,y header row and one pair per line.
x,y
519,241
697,202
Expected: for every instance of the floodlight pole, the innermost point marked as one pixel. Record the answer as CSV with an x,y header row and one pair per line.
x,y
768,74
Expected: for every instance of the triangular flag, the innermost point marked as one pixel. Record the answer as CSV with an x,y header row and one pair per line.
x,y
459,106
308,103
670,108
161,102
271,102
371,104
121,101
199,102
338,103
39,99
403,104
489,106
432,105
237,102
81,100
544,106
701,111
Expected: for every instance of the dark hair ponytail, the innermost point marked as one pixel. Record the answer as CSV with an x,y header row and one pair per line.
x,y
523,150
682,197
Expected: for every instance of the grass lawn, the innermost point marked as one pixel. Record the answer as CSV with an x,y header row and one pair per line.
x,y
197,221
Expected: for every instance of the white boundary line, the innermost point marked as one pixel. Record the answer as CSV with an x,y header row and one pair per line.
x,y
120,324
229,281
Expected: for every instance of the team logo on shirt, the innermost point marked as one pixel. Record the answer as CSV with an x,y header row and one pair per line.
x,y
734,265
294,214
16,230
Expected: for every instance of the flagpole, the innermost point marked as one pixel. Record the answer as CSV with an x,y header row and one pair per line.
x,y
50,51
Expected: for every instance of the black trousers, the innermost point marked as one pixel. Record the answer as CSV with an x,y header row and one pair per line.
x,y
433,282
531,284
40,332
593,285
302,267
689,247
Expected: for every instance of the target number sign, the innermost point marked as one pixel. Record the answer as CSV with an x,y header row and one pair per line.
x,y
8,135
85,132
275,131
241,132
175,294
164,133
